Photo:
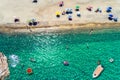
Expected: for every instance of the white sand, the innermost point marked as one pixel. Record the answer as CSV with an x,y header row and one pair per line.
x,y
45,10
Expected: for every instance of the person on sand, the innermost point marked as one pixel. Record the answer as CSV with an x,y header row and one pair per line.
x,y
63,13
30,23
98,10
89,8
33,22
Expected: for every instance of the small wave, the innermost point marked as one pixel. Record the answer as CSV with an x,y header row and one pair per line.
x,y
14,60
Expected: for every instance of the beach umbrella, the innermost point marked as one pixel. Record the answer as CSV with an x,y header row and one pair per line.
x,y
109,7
78,14
69,11
77,7
57,13
110,15
35,23
61,3
115,19
108,10
30,23
70,17
33,20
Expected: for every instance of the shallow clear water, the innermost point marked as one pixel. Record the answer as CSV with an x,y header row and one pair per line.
x,y
78,47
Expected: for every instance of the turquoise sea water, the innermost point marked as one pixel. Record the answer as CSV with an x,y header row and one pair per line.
x,y
50,49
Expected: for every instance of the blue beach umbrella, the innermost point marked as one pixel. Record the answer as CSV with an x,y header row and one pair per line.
x,y
115,19
108,10
109,7
110,15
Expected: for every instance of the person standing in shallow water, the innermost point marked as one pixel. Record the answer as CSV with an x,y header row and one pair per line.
x,y
91,31
87,46
67,47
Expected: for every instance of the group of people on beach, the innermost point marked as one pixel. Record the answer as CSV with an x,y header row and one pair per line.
x,y
69,12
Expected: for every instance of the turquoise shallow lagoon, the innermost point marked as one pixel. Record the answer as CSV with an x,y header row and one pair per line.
x,y
50,49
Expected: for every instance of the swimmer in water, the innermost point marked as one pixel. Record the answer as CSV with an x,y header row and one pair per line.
x,y
87,46
32,60
22,66
99,62
67,47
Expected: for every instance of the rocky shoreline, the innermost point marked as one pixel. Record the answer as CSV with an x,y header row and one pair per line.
x,y
4,69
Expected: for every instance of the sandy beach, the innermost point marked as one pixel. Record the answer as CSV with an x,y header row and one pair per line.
x,y
44,12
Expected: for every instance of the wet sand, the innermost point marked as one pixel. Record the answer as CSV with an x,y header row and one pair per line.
x,y
23,28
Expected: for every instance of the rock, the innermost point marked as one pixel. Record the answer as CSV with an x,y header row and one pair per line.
x,y
4,69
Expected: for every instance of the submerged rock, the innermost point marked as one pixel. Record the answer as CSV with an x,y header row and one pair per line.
x,y
4,69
